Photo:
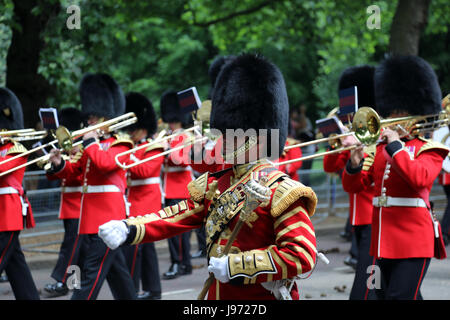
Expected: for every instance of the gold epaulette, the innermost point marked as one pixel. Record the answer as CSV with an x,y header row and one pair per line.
x,y
291,142
76,157
287,192
368,160
431,144
197,187
153,146
122,138
16,148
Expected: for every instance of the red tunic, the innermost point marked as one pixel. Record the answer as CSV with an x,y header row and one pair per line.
x,y
360,203
144,183
177,171
400,232
106,200
11,197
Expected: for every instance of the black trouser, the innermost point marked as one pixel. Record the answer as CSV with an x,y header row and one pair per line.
x,y
13,262
360,290
201,238
401,278
69,251
142,261
151,281
97,263
180,245
445,223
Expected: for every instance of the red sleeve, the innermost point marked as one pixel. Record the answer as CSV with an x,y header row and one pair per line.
x,y
105,159
335,162
357,182
150,168
422,171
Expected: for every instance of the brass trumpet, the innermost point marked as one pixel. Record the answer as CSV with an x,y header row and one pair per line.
x,y
65,139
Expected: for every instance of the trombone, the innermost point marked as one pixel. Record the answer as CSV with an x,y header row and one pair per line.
x,y
65,139
159,139
22,135
366,128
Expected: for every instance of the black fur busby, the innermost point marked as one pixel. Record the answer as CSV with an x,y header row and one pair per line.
x,y
215,68
250,93
361,77
11,114
101,96
406,83
143,109
171,110
71,118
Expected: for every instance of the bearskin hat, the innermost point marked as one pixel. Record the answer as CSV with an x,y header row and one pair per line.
x,y
250,93
101,96
143,109
171,110
11,114
71,118
361,77
214,70
406,83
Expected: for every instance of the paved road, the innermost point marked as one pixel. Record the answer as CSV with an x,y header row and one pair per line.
x,y
328,282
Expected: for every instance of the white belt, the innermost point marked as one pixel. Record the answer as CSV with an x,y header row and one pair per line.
x,y
386,201
8,190
71,189
177,169
11,190
101,189
143,182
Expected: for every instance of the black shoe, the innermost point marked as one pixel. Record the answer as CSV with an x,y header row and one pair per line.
x,y
172,273
146,295
53,290
184,270
350,261
199,254
3,278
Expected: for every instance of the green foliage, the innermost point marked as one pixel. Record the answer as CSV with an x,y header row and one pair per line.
x,y
151,46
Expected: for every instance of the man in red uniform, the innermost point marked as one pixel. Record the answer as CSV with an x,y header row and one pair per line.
x,y
403,171
360,203
69,211
144,194
277,240
177,173
14,207
104,185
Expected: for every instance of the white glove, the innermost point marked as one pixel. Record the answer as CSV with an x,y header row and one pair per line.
x,y
219,266
113,233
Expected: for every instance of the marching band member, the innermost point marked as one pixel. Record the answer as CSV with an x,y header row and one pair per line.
x,y
177,173
144,194
69,211
277,241
360,203
403,171
104,185
15,209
